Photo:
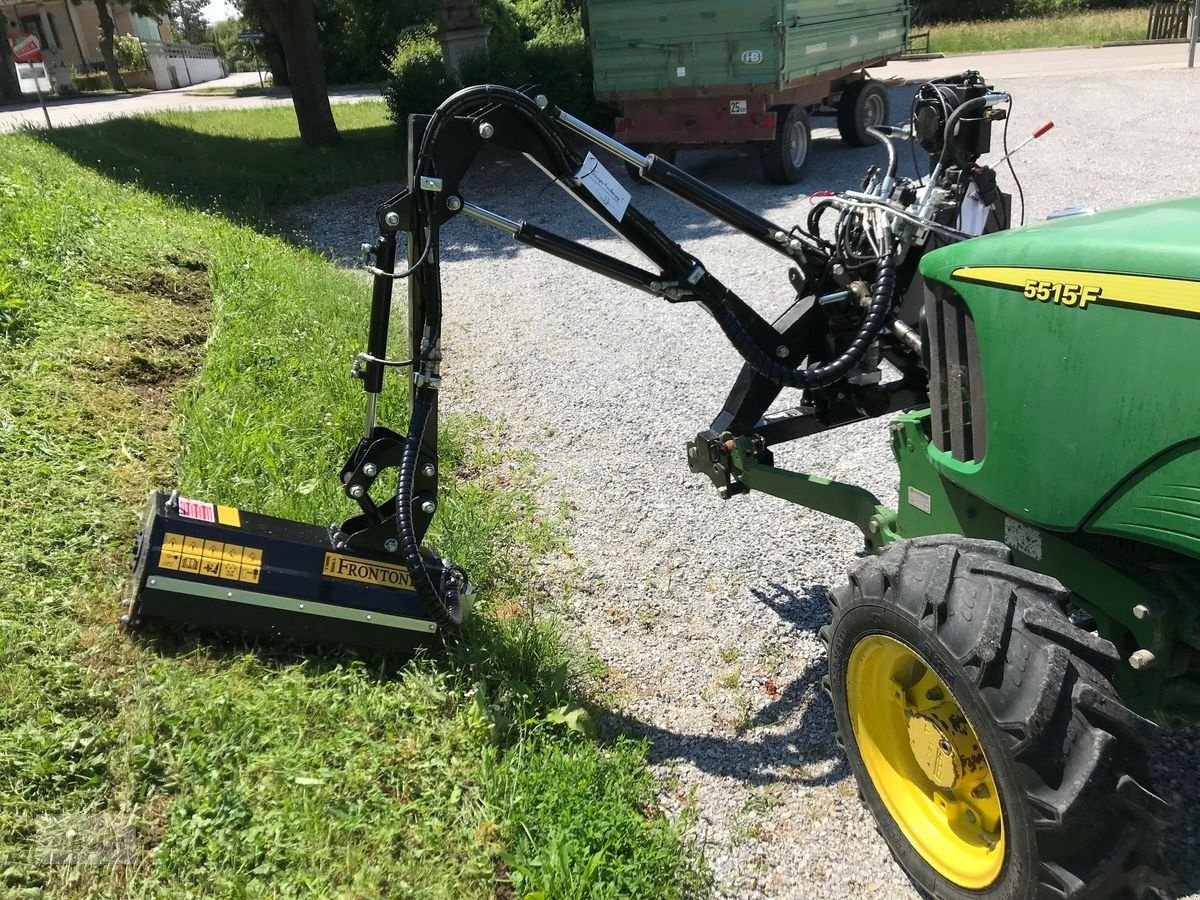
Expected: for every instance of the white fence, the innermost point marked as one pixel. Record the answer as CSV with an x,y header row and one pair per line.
x,y
180,65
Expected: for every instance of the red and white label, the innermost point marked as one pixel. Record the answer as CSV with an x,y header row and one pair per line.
x,y
25,48
197,509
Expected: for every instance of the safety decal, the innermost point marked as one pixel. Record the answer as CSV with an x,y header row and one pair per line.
x,y
367,571
197,509
210,559
229,515
1082,290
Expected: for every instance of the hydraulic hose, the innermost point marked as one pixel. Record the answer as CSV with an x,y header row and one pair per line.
x,y
882,294
442,602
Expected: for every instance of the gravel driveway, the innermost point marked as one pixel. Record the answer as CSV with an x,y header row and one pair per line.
x,y
706,612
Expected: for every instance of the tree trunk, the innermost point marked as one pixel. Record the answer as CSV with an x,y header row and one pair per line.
x,y
10,85
295,23
107,29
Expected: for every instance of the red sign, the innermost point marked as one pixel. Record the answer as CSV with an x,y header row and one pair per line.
x,y
25,48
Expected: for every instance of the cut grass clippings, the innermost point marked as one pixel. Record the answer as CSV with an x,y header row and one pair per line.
x,y
144,344
1088,29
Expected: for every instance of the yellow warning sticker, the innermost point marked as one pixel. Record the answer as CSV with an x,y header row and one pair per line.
x,y
210,559
228,515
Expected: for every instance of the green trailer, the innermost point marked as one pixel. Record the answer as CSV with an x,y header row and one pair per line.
x,y
704,73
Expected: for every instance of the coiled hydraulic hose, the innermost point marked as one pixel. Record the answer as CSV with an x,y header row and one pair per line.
x,y
882,294
442,602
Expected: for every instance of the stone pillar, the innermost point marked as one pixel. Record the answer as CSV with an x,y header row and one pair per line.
x,y
59,73
461,32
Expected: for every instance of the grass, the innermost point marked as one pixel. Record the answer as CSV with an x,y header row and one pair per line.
x,y
144,343
243,163
1068,30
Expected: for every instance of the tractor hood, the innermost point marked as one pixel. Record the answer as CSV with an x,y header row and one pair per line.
x,y
1161,239
1086,329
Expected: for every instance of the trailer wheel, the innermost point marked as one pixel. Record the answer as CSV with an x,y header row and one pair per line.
x,y
864,105
784,157
983,731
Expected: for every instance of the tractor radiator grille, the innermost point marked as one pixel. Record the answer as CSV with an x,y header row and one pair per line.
x,y
955,377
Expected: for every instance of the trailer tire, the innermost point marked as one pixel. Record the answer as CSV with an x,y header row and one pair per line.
x,y
864,105
783,159
941,645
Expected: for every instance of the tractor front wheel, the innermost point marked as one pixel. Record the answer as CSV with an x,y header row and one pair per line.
x,y
983,731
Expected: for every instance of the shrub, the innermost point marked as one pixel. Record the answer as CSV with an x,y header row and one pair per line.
x,y
417,78
556,56
129,52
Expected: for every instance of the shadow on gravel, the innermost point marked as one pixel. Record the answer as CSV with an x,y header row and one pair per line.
x,y
805,754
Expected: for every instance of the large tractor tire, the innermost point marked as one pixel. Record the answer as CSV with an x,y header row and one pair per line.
x,y
984,733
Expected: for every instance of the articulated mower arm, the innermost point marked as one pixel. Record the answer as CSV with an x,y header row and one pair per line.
x,y
834,328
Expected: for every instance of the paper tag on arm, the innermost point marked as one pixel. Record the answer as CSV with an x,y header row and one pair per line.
x,y
601,184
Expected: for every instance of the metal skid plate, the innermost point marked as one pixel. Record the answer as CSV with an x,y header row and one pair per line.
x,y
221,568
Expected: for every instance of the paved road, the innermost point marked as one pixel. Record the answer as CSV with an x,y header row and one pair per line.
x,y
94,109
1073,61
999,66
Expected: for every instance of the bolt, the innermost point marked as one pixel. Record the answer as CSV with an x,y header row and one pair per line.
x,y
124,620
229,595
368,617
542,101
874,526
1142,659
356,491
367,250
428,507
934,694
431,627
340,545
970,817
944,746
153,582
656,286
370,470
1142,611
782,352
392,220
300,606
127,602
781,237
453,203
839,269
391,545
486,130
980,791
429,470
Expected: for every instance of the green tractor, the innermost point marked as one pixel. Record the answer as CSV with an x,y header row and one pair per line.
x,y
996,668
998,665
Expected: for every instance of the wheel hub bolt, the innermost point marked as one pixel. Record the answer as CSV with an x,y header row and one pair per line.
x,y
970,817
980,791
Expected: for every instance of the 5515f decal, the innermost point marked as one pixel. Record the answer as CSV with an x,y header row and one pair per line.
x,y
1058,292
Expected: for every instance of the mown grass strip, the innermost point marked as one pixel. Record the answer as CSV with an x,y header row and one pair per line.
x,y
144,344
1088,29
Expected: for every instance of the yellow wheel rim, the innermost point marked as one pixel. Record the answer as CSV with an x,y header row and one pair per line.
x,y
925,761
